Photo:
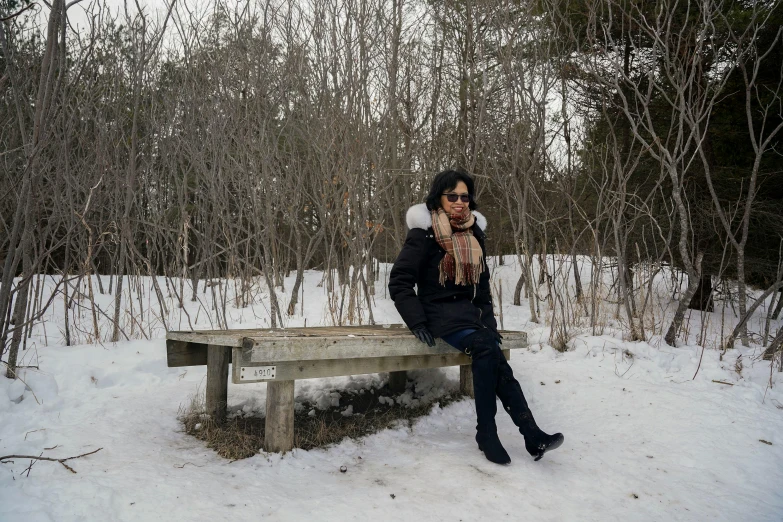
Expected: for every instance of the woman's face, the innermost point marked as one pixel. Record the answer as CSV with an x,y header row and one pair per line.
x,y
459,206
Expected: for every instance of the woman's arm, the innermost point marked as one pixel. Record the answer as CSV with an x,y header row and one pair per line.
x,y
404,275
483,299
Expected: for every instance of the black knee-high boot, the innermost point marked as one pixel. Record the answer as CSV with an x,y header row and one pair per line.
x,y
485,377
510,393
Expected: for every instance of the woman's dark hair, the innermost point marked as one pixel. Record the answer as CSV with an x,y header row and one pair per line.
x,y
446,181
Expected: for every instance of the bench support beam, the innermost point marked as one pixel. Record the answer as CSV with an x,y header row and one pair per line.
x,y
279,425
397,381
218,358
466,380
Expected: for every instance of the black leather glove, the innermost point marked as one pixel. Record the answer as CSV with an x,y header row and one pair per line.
x,y
423,334
498,337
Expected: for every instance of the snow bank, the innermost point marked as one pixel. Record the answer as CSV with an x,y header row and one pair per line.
x,y
644,441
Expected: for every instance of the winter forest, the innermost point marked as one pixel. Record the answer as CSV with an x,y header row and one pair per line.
x,y
182,165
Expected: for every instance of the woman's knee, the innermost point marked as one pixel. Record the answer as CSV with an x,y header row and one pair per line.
x,y
481,344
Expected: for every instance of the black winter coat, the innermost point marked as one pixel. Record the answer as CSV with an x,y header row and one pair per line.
x,y
443,309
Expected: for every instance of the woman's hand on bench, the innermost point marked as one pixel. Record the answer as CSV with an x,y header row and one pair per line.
x,y
423,334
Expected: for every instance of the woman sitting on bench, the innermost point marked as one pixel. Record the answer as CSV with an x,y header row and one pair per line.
x,y
444,255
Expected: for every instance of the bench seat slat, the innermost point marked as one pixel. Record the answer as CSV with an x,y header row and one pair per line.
x,y
308,349
259,345
234,337
294,370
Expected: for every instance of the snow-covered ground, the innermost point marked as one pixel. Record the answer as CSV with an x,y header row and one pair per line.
x,y
644,439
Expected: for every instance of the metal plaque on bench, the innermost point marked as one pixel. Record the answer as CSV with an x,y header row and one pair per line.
x,y
257,373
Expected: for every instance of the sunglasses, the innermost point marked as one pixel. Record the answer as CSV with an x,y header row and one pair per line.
x,y
454,197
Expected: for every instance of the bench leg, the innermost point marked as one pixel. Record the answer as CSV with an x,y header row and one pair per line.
x,y
279,425
218,358
466,380
397,381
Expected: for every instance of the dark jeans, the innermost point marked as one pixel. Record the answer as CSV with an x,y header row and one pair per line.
x,y
454,338
485,366
492,376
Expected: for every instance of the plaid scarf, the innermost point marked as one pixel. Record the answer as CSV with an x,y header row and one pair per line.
x,y
463,261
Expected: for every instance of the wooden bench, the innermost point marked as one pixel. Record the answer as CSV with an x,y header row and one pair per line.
x,y
281,356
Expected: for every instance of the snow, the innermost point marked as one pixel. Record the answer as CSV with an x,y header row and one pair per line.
x,y
647,437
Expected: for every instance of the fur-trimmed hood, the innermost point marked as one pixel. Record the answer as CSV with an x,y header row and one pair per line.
x,y
419,217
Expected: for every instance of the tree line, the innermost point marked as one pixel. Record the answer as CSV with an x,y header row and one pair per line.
x,y
256,139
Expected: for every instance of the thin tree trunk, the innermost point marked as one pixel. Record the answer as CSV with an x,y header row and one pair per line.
x,y
779,306
20,309
682,306
744,319
702,299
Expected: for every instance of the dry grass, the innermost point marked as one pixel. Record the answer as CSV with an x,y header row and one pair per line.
x,y
243,436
